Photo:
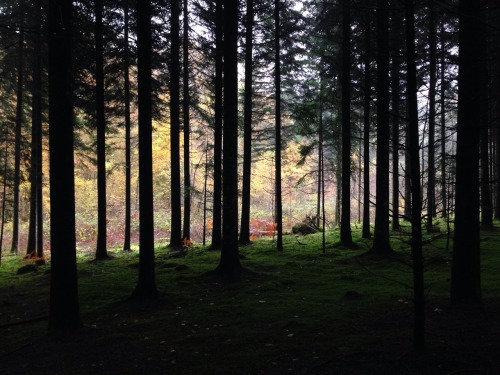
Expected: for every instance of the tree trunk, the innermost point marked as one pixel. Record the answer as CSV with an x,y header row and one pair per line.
x,y
366,129
416,203
101,250
64,311
247,137
217,197
4,184
466,270
175,175
35,244
444,194
395,100
345,222
486,203
128,125
381,245
431,167
146,283
229,265
277,118
186,234
17,140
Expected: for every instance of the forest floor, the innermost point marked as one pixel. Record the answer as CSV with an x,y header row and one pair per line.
x,y
296,312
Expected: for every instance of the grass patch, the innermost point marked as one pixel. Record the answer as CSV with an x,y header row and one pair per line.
x,y
296,311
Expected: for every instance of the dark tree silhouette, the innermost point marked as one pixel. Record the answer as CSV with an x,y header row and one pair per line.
x,y
64,312
431,167
366,126
416,203
18,129
247,124
465,270
277,119
186,102
229,265
35,232
218,121
345,221
381,245
146,283
101,250
395,107
444,194
485,77
128,125
175,174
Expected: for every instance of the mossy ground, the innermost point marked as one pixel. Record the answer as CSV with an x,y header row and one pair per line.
x,y
296,311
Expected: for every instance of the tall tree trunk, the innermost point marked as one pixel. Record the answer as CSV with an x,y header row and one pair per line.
x,y
247,137
366,129
416,203
444,194
101,250
320,189
277,157
486,203
497,136
128,125
381,245
395,104
466,270
345,222
186,232
39,139
321,172
229,265
146,283
407,178
431,167
64,311
175,175
217,197
34,246
17,140
205,195
4,191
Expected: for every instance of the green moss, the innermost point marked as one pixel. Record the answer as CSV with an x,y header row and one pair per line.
x,y
290,304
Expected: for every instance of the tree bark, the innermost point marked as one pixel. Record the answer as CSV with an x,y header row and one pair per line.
x,y
186,231
128,125
345,221
64,311
381,245
218,123
416,203
466,270
17,140
146,283
229,265
444,194
486,201
35,241
175,176
101,250
247,136
395,101
431,167
366,129
277,118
